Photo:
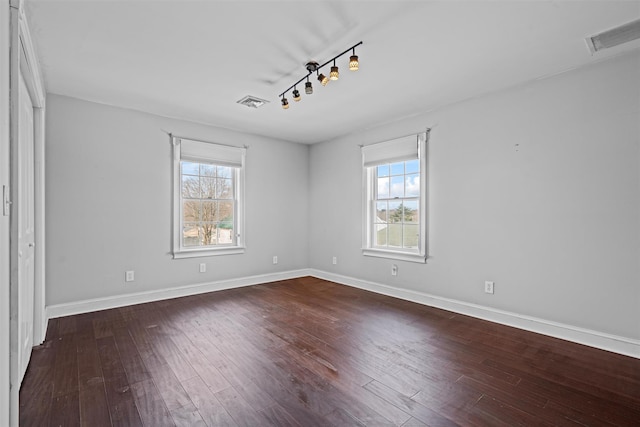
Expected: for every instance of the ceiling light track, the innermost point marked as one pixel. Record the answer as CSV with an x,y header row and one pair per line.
x,y
315,67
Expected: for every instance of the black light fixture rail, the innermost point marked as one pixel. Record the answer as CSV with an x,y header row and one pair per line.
x,y
314,67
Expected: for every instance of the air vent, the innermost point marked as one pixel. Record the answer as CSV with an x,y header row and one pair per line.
x,y
252,101
614,37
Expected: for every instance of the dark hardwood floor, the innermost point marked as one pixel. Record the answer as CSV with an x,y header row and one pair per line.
x,y
308,352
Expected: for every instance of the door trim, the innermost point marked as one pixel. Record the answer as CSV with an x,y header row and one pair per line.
x,y
23,60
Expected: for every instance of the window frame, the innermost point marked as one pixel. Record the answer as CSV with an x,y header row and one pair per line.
x,y
418,255
238,172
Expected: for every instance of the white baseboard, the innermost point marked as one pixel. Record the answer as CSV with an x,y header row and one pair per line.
x,y
616,344
86,306
613,343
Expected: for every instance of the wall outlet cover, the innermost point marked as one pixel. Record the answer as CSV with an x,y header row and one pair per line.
x,y
488,287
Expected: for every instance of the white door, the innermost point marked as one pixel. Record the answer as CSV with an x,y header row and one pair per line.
x,y
26,229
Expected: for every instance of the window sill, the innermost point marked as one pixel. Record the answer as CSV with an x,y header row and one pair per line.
x,y
397,255
195,253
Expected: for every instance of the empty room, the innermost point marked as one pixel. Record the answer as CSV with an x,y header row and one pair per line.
x,y
319,213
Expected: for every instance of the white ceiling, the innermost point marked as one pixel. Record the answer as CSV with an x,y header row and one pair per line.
x,y
194,59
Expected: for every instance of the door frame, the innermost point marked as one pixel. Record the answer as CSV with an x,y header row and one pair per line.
x,y
23,59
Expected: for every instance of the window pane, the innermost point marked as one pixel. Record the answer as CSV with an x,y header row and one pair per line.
x,y
224,172
383,188
209,212
383,170
206,220
225,233
190,235
411,236
207,188
412,185
189,168
397,168
207,170
225,211
395,235
381,212
395,211
224,188
397,186
411,211
396,223
190,211
190,187
380,234
208,232
412,166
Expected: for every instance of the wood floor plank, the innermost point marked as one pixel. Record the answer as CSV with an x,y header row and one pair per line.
x,y
508,413
67,325
308,352
122,407
199,362
234,374
211,410
65,410
65,379
150,405
587,400
94,408
412,407
276,415
188,416
341,417
166,348
37,386
241,412
170,387
134,367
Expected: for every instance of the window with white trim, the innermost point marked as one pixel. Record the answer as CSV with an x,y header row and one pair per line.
x,y
208,184
394,175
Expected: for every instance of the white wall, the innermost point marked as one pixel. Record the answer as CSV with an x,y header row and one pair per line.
x,y
109,203
554,221
4,220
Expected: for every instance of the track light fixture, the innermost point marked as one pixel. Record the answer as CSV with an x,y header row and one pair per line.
x,y
323,79
312,66
308,87
334,74
353,61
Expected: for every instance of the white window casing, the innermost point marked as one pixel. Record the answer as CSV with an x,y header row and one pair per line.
x,y
214,154
397,150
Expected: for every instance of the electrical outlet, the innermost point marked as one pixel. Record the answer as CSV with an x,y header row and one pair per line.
x,y
203,267
129,276
275,259
488,287
335,260
394,270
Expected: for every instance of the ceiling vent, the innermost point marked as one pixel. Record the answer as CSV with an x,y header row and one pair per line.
x,y
252,101
614,37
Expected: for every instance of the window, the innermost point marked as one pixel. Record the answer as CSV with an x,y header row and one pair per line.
x,y
208,189
394,174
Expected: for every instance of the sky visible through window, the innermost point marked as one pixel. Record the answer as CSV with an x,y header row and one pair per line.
x,y
397,185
